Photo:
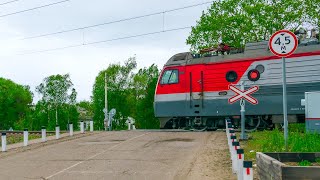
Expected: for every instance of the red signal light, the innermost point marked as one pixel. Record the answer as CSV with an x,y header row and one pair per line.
x,y
253,75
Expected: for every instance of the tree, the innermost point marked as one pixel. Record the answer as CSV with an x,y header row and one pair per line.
x,y
144,84
237,22
85,109
55,91
15,100
118,78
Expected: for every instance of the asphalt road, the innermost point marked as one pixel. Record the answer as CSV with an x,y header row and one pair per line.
x,y
125,155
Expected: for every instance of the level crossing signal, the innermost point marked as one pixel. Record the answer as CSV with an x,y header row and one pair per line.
x,y
245,94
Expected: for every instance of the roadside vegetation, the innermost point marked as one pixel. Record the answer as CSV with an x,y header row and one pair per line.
x,y
273,141
17,138
130,92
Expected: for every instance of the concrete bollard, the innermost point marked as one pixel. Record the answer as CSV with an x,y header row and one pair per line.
x,y
57,131
71,129
91,125
25,137
232,133
240,158
227,122
232,139
43,134
4,142
81,126
228,127
235,146
247,170
129,126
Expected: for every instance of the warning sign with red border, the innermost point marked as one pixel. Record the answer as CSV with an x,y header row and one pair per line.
x,y
283,43
246,94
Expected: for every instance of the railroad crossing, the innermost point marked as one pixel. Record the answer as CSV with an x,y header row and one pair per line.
x,y
123,155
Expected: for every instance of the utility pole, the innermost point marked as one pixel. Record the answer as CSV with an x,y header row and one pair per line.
x,y
105,101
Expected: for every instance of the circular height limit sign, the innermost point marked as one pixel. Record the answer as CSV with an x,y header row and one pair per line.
x,y
283,43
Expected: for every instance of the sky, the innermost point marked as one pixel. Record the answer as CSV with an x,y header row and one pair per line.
x,y
21,61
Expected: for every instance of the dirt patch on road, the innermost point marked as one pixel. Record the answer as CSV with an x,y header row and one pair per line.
x,y
211,161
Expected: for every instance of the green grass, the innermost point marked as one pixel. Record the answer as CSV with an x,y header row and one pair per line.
x,y
11,139
273,141
304,163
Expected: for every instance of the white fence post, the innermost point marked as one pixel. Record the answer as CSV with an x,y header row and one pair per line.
x,y
232,139
81,126
240,158
43,134
57,132
71,129
91,125
4,142
247,170
235,146
25,137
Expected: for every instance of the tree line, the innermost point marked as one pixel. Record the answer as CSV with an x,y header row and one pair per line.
x,y
236,22
130,92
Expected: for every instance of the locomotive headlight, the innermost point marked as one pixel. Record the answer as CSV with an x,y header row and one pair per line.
x,y
260,68
253,75
231,76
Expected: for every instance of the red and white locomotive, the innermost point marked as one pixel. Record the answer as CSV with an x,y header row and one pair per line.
x,y
192,90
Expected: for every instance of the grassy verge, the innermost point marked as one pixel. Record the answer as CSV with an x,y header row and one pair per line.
x,y
273,141
17,138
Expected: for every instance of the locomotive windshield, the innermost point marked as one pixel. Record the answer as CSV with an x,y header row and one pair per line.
x,y
170,77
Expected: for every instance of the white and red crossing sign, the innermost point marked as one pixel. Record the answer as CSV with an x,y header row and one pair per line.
x,y
245,94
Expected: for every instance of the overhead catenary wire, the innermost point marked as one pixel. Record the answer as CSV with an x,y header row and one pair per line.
x,y
116,21
107,40
8,2
31,9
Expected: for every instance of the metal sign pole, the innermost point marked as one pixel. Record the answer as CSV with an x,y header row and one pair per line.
x,y
285,118
242,111
283,43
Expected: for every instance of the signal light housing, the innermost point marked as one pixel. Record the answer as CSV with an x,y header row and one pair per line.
x,y
231,76
253,75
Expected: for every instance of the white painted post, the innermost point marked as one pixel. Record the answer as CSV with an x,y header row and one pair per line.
x,y
240,158
227,122
247,170
129,125
57,132
43,134
4,142
81,126
232,139
235,146
133,127
231,132
229,126
91,125
25,137
71,129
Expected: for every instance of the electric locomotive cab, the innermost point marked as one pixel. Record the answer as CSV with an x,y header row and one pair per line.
x,y
169,96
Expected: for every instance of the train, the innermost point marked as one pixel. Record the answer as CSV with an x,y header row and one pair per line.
x,y
193,89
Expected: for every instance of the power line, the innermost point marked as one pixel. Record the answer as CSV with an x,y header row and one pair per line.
x,y
8,2
138,35
31,9
116,21
107,40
